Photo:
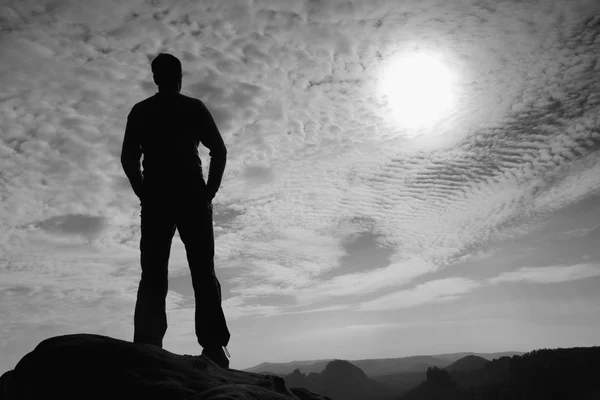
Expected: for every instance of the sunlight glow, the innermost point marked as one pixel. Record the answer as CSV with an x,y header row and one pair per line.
x,y
419,90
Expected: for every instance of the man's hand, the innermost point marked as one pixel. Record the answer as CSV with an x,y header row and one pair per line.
x,y
212,140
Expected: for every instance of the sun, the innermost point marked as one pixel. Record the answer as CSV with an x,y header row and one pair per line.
x,y
419,90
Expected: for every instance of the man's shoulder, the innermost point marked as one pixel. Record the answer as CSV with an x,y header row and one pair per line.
x,y
191,100
140,105
148,104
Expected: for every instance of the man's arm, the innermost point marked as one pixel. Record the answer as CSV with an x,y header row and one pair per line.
x,y
211,139
130,155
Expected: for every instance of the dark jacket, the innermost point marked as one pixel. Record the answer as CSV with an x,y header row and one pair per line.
x,y
167,129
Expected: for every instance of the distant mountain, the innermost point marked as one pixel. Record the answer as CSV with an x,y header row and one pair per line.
x,y
402,382
272,373
467,364
405,381
306,366
388,366
341,380
375,367
452,357
567,374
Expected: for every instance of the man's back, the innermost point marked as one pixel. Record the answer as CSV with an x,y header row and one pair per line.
x,y
168,127
166,130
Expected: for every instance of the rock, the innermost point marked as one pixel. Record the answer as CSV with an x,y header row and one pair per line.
x,y
86,366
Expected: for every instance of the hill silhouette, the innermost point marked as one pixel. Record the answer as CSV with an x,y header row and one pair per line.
x,y
307,367
538,375
341,380
398,374
95,367
375,368
467,364
453,357
403,382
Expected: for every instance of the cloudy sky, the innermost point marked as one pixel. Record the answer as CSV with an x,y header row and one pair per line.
x,y
368,210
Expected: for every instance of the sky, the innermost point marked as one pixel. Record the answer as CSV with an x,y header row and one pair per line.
x,y
345,226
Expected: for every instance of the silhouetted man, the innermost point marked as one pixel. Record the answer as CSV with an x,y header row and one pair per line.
x,y
167,129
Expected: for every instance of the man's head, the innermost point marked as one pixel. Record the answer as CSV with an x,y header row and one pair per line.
x,y
167,72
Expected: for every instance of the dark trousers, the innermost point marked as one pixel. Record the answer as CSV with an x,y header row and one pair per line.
x,y
189,212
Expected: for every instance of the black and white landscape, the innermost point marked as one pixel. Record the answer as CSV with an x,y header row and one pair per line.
x,y
403,179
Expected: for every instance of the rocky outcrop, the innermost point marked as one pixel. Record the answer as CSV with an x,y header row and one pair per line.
x,y
85,366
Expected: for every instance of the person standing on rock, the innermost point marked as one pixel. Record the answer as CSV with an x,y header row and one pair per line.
x,y
167,129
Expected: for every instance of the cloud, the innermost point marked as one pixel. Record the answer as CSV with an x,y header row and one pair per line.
x,y
432,291
394,275
84,225
321,309
552,274
337,332
237,307
577,233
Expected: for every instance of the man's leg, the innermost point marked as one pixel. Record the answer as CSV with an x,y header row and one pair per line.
x,y
150,319
194,223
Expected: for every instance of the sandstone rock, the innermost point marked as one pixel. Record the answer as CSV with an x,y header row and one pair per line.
x,y
86,366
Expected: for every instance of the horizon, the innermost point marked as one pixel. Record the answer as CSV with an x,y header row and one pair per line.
x,y
416,178
387,358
